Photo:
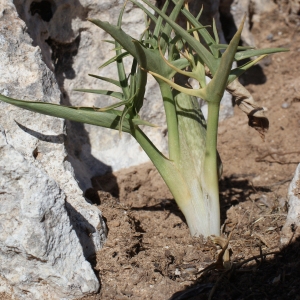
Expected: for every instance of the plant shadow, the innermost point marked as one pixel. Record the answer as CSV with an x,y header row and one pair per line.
x,y
266,278
235,189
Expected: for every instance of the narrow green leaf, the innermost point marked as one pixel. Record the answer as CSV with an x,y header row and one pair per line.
x,y
150,42
121,121
141,78
145,34
141,122
192,92
115,82
133,76
102,92
197,28
216,35
177,70
255,52
119,23
107,119
178,64
217,85
115,58
113,106
159,27
200,13
165,35
225,46
117,48
203,31
153,60
235,73
109,41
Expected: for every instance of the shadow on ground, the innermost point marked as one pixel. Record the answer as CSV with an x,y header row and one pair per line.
x,y
260,278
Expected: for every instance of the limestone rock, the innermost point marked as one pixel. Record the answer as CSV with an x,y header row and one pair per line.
x,y
236,9
291,227
47,227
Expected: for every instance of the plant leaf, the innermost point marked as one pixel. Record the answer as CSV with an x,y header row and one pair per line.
x,y
255,52
109,119
235,73
165,35
153,59
143,123
115,58
215,32
120,65
192,92
225,46
159,27
115,82
203,31
102,92
217,85
109,41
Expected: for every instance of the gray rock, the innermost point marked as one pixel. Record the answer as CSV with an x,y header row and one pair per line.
x,y
253,9
47,227
291,227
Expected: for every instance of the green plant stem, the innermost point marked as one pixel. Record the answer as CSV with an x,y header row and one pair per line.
x,y
158,159
211,178
172,122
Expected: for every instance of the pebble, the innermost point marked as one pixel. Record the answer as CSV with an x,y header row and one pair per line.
x,y
270,37
285,105
276,279
115,223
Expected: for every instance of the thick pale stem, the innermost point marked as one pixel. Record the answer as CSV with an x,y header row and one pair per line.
x,y
210,177
172,123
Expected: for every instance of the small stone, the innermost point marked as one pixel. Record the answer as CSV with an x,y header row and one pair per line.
x,y
177,272
222,130
291,227
276,279
285,105
282,202
115,223
270,37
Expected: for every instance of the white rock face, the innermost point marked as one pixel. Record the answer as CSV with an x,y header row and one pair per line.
x,y
47,229
291,227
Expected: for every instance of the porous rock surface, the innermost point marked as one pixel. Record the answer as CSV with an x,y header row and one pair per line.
x,y
291,227
47,229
